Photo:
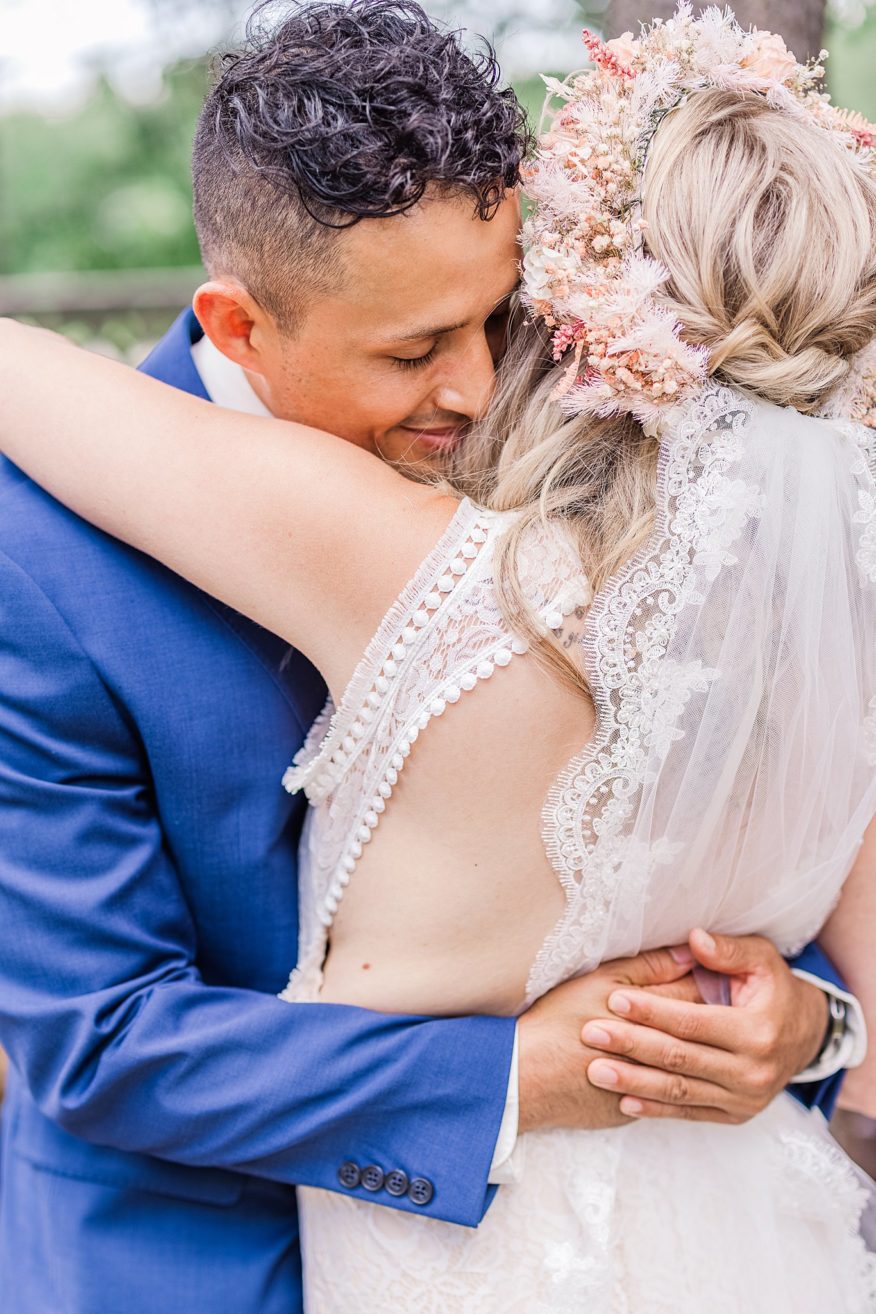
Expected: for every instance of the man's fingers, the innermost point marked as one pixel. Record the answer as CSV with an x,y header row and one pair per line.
x,y
703,1024
634,1108
654,966
648,1084
654,1050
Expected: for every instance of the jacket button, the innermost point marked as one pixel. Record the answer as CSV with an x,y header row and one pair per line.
x,y
372,1177
349,1175
397,1182
421,1191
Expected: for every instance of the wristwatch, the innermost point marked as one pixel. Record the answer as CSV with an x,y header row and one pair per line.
x,y
836,1031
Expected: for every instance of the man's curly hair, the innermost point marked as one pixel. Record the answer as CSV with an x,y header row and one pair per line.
x,y
342,112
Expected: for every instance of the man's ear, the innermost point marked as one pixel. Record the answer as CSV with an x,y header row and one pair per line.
x,y
232,320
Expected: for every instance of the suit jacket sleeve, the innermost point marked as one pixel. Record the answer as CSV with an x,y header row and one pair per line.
x,y
818,1094
104,1013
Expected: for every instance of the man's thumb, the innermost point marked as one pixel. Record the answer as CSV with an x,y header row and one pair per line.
x,y
724,953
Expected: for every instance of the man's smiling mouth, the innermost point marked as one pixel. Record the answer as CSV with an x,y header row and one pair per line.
x,y
442,439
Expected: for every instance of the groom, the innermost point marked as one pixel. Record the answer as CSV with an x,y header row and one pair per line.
x,y
163,1103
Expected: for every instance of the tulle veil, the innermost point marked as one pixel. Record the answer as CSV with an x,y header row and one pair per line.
x,y
733,667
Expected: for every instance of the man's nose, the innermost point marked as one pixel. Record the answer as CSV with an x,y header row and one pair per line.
x,y
468,389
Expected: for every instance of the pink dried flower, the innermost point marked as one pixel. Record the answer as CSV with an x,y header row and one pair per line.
x,y
863,131
604,57
568,335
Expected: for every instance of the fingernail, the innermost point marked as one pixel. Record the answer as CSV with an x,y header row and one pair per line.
x,y
632,1108
601,1074
620,1003
596,1035
681,954
707,941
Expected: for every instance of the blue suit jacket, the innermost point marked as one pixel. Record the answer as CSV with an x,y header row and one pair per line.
x,y
163,1103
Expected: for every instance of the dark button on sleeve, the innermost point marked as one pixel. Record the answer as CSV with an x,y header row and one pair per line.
x,y
372,1177
421,1191
349,1175
397,1182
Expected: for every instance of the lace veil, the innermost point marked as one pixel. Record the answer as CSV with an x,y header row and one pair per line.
x,y
733,664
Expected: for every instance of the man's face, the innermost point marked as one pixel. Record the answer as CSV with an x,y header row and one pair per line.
x,y
402,358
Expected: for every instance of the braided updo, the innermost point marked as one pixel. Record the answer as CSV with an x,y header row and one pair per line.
x,y
768,227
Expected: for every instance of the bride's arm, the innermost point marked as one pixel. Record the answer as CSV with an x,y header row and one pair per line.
x,y
307,534
849,938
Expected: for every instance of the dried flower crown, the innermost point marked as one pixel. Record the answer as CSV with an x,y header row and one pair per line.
x,y
585,272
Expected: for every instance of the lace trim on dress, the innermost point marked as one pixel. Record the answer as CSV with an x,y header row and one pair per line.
x,y
638,693
325,756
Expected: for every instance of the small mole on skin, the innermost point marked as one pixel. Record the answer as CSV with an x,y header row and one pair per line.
x,y
365,967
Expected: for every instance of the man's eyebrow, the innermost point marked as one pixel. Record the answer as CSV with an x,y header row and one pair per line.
x,y
418,334
427,333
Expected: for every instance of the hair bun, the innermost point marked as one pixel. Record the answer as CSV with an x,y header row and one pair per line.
x,y
767,225
750,357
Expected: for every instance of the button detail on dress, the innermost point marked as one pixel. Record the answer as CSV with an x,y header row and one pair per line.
x,y
420,1191
349,1175
372,1177
397,1182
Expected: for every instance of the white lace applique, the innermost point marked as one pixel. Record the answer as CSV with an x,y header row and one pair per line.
x,y
444,635
638,694
863,443
870,733
864,469
822,1183
867,550
866,516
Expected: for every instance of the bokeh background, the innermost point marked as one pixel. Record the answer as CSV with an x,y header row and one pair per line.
x,y
98,100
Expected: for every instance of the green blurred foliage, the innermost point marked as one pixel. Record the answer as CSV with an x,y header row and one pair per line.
x,y
852,64
106,187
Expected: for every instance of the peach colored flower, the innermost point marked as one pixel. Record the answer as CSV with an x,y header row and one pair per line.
x,y
770,58
624,48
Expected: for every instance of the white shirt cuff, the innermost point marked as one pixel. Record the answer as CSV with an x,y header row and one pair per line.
x,y
506,1165
853,1049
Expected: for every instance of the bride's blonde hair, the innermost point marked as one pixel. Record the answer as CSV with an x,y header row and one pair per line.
x,y
767,226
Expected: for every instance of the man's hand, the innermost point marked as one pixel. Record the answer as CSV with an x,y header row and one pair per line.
x,y
704,1062
554,1090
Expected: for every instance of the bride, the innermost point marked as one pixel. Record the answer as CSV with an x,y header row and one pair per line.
x,y
615,678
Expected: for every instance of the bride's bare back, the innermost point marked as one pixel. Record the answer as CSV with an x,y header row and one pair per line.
x,y
454,894
425,851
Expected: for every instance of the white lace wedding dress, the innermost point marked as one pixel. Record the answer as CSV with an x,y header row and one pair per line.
x,y
667,819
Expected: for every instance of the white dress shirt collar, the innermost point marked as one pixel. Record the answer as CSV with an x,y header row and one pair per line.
x,y
225,381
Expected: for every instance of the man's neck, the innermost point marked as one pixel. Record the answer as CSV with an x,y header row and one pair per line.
x,y
226,382
260,387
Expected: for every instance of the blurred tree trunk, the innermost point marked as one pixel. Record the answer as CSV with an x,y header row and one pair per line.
x,y
800,22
